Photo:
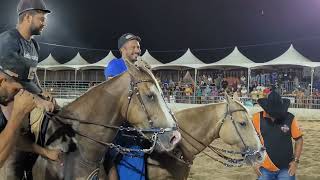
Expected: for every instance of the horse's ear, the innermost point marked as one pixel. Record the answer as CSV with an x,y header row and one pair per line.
x,y
227,97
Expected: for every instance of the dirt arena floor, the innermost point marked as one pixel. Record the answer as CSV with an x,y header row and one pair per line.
x,y
309,169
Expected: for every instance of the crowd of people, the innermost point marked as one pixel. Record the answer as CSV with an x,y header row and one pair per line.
x,y
211,87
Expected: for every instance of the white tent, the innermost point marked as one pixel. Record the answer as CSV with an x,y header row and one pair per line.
x,y
100,64
150,59
49,61
289,58
186,61
74,64
234,60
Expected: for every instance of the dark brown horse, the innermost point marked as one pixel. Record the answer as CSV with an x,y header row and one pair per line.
x,y
85,129
200,126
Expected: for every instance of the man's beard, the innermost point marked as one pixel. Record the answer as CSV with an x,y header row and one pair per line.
x,y
5,98
134,58
35,30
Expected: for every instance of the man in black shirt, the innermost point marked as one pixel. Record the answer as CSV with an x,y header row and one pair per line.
x,y
19,54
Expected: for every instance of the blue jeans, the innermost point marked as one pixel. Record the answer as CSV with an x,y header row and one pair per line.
x,y
282,174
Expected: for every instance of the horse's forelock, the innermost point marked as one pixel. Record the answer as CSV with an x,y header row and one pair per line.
x,y
142,67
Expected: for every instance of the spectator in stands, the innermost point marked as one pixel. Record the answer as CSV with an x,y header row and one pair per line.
x,y
198,94
224,84
244,91
296,81
260,94
210,82
254,95
214,91
188,90
218,81
266,91
243,79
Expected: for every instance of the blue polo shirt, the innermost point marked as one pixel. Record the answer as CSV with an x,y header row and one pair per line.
x,y
115,67
132,168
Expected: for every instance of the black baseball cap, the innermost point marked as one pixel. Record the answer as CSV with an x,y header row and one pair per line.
x,y
127,37
27,5
29,85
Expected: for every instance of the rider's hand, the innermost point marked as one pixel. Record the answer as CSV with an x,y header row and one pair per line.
x,y
47,96
53,154
23,102
47,105
256,169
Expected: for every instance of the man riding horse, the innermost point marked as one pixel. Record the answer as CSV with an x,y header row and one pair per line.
x,y
19,54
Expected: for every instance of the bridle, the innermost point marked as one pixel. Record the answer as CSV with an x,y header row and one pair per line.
x,y
133,90
230,162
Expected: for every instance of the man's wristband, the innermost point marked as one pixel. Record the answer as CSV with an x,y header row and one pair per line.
x,y
296,160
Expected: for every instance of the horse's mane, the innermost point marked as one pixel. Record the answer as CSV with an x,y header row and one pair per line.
x,y
92,90
136,70
212,104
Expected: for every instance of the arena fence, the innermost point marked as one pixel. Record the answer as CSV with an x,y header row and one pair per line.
x,y
72,90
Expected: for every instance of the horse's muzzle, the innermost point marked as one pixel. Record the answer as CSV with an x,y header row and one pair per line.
x,y
254,157
168,140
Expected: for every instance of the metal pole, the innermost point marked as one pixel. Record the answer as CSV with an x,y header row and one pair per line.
x,y
312,73
96,76
195,85
75,82
44,78
248,79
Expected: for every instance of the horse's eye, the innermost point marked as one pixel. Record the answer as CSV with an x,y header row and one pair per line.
x,y
243,124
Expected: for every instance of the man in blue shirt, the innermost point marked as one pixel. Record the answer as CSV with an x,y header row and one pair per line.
x,y
127,167
129,46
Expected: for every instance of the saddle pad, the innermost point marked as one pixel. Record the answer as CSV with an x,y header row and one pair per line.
x,y
36,119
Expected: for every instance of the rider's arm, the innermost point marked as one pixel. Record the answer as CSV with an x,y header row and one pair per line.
x,y
8,136
25,144
23,104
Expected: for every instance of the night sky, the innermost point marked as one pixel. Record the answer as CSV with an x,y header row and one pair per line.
x,y
262,29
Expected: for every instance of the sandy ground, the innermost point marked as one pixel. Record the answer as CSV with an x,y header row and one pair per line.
x,y
309,169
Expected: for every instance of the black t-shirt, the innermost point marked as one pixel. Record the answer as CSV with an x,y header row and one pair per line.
x,y
17,54
277,140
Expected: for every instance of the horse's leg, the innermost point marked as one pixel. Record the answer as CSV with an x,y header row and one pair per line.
x,y
14,167
43,170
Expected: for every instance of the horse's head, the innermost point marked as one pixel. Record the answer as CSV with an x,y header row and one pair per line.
x,y
236,129
147,109
8,88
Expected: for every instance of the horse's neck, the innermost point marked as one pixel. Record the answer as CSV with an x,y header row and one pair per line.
x,y
103,105
200,123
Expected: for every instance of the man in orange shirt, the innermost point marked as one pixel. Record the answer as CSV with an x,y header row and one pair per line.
x,y
276,128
